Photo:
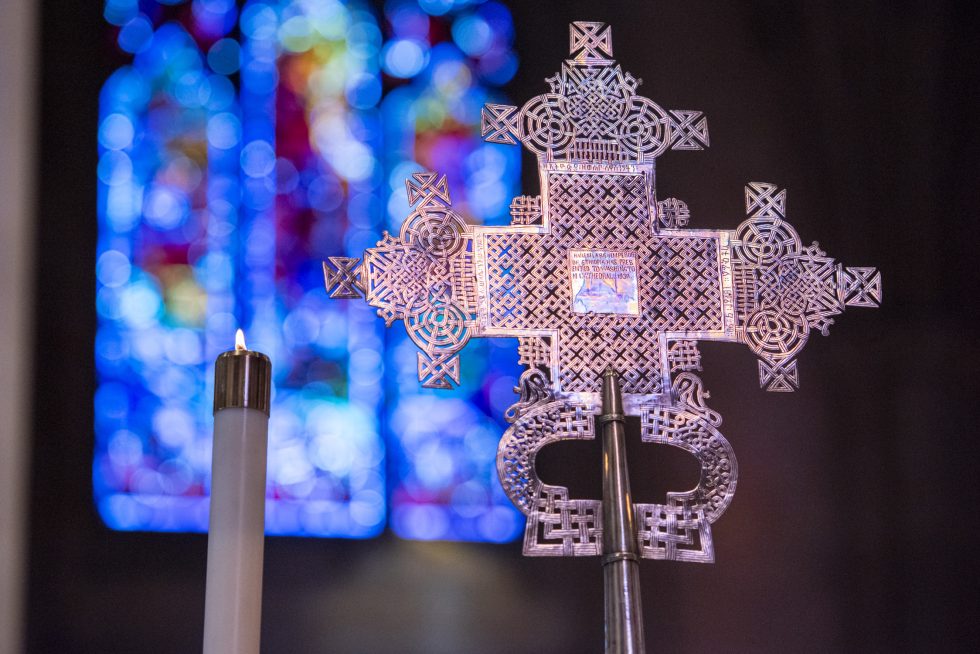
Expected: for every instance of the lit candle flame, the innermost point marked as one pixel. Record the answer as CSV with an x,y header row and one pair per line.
x,y
240,341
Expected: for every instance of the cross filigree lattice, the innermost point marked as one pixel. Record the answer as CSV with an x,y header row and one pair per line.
x,y
597,272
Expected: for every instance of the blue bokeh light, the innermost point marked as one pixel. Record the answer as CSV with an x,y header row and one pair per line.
x,y
136,34
472,34
404,57
230,165
224,57
224,131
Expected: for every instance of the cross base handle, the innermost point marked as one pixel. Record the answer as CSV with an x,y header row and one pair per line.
x,y
620,561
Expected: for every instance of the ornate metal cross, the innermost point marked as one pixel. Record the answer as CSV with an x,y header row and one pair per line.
x,y
596,272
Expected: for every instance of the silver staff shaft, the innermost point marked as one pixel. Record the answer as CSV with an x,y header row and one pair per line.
x,y
620,553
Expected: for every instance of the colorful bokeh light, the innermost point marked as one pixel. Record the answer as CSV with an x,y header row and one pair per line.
x,y
240,145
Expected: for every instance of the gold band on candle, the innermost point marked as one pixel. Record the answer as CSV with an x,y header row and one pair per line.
x,y
242,379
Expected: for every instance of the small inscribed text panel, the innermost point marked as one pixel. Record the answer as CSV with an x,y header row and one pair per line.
x,y
603,281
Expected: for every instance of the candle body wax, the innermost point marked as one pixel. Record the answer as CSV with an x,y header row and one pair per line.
x,y
233,604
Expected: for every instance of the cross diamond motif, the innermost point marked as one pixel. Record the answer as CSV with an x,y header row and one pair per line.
x,y
598,282
597,272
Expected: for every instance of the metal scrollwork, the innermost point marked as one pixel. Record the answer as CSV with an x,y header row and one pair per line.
x,y
680,528
533,388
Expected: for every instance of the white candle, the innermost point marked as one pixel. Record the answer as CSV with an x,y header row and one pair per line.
x,y
236,532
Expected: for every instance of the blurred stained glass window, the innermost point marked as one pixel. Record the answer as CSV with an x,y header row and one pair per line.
x,y
241,143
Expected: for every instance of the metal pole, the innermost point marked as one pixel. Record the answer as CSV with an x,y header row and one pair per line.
x,y
620,552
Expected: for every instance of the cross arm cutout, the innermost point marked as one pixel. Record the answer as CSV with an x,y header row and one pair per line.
x,y
688,130
419,278
590,43
784,290
342,276
498,124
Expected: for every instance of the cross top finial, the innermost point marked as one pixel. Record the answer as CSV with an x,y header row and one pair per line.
x,y
590,43
593,113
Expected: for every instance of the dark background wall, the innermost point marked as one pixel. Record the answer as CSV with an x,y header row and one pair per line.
x,y
854,526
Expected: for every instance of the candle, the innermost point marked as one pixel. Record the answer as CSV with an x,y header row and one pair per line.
x,y
236,531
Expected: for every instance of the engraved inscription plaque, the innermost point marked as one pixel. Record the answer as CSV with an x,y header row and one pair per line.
x,y
603,281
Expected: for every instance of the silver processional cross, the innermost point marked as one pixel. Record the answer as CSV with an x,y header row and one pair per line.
x,y
596,273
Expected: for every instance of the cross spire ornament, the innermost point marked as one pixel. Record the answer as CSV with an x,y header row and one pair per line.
x,y
597,273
